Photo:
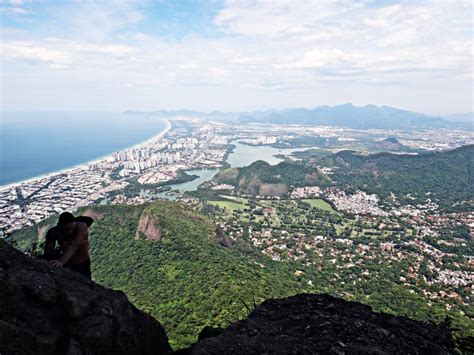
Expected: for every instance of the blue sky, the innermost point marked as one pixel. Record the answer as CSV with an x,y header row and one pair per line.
x,y
236,55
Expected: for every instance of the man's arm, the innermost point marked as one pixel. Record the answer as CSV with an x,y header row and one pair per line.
x,y
81,237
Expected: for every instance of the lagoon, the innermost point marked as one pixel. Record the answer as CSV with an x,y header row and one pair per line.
x,y
203,176
245,154
242,155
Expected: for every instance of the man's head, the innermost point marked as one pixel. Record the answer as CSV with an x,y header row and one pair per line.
x,y
66,223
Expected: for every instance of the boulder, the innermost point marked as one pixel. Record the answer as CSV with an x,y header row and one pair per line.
x,y
50,310
321,324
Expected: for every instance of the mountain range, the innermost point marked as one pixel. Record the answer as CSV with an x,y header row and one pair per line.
x,y
346,115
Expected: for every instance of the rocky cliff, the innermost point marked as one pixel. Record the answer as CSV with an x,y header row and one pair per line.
x,y
47,310
149,227
321,324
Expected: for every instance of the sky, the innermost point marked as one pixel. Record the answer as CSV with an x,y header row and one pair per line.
x,y
236,55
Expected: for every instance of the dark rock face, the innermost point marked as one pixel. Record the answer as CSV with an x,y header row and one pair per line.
x,y
321,324
48,310
222,239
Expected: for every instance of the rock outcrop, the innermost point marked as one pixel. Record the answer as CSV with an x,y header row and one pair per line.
x,y
48,310
389,144
321,324
148,226
222,239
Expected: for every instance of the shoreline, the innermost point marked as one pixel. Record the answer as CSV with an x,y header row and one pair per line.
x,y
85,165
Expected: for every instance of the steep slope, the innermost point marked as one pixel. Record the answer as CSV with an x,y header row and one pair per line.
x,y
186,279
321,324
48,310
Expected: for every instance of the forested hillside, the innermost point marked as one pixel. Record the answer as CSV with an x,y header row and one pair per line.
x,y
261,178
168,260
447,177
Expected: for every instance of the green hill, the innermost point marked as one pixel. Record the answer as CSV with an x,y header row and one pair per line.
x,y
261,178
169,261
176,270
186,279
447,177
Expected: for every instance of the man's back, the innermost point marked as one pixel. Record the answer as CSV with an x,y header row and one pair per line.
x,y
78,235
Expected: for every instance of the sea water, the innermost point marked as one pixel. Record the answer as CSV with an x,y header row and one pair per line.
x,y
38,143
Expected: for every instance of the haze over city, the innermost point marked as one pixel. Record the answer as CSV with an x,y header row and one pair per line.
x,y
236,55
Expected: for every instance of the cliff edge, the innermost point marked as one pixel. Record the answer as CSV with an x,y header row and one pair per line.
x,y
321,324
47,310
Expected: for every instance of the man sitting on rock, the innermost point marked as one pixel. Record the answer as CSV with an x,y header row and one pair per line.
x,y
71,234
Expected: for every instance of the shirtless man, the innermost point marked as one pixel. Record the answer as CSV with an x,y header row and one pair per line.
x,y
71,234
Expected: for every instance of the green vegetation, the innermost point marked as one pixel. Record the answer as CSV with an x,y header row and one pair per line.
x,y
311,153
261,178
446,177
187,280
319,203
230,205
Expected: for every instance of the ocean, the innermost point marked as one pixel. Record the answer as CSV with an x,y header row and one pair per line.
x,y
38,143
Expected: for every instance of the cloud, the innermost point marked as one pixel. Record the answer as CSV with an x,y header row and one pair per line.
x,y
264,47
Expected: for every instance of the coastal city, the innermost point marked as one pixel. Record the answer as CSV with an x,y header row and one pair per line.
x,y
187,144
347,234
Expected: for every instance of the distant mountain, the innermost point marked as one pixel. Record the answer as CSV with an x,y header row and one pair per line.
x,y
462,117
347,115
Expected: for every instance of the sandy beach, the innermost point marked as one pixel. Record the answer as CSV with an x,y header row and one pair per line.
x,y
86,164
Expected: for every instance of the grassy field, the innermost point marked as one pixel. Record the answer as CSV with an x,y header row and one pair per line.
x,y
232,206
321,204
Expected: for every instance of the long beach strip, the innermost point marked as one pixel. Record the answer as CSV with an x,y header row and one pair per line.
x,y
84,166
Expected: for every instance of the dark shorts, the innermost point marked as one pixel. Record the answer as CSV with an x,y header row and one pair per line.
x,y
84,269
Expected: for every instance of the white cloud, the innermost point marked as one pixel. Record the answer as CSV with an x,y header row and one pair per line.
x,y
31,52
307,49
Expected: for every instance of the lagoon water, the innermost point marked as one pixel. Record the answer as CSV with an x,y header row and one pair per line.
x,y
204,175
245,154
242,155
33,144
